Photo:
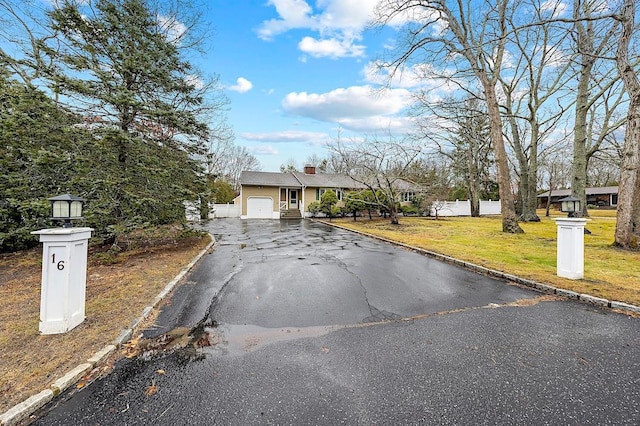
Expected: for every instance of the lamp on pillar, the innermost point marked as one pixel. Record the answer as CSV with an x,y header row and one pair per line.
x,y
571,232
570,205
64,267
66,208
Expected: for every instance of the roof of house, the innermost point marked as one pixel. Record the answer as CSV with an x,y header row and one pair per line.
x,y
327,180
589,191
268,179
313,180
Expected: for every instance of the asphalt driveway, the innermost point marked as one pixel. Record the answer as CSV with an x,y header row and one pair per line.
x,y
300,323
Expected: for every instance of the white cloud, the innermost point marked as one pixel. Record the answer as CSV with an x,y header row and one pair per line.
x,y
333,48
556,57
417,15
292,13
422,76
555,7
379,123
173,29
195,81
242,85
263,150
284,136
288,136
339,24
355,102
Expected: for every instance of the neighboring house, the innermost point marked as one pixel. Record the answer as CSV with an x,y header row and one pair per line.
x,y
606,196
270,195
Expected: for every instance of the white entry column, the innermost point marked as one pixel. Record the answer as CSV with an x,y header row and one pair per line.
x,y
571,247
64,278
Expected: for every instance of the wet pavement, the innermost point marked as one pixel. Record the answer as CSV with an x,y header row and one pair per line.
x,y
294,322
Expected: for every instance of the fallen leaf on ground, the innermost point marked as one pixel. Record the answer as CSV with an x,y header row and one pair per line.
x,y
151,390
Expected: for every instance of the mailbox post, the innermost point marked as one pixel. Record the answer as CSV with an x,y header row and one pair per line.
x,y
570,255
64,268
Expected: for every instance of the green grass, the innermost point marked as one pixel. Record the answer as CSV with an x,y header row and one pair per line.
x,y
610,273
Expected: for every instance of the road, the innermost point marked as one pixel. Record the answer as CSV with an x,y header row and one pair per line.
x,y
300,323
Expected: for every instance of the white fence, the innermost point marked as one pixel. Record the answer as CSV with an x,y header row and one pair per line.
x,y
225,210
463,208
192,211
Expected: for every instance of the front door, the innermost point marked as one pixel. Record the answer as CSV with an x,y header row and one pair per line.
x,y
293,199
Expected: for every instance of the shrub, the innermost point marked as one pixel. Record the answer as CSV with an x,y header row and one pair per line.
x,y
314,208
409,210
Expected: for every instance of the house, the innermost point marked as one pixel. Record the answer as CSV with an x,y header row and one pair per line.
x,y
606,196
271,195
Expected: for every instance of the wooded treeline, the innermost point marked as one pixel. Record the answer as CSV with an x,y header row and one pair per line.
x,y
99,100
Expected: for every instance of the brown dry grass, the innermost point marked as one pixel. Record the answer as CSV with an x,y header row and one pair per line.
x,y
116,295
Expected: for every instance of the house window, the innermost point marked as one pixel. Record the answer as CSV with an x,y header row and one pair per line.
x,y
408,196
320,191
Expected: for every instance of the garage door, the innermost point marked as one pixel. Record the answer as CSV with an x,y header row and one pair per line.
x,y
260,208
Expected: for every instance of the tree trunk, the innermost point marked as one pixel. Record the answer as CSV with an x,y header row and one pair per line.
x,y
585,48
393,214
627,234
474,190
509,217
551,185
474,200
524,186
530,197
579,180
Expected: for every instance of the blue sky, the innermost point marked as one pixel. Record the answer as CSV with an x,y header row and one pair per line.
x,y
298,73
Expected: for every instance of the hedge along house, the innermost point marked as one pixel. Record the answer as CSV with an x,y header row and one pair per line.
x,y
270,195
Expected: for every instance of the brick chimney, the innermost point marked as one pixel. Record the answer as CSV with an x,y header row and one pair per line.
x,y
309,170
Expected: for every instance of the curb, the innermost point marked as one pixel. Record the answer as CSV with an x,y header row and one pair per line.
x,y
29,406
544,288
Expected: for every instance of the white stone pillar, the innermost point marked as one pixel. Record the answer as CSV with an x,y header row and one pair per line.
x,y
64,278
571,247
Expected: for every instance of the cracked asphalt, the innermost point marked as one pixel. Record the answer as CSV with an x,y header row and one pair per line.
x,y
307,324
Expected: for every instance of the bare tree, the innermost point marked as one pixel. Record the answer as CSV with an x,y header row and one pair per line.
x,y
289,166
593,39
603,125
381,165
238,159
459,132
475,32
555,170
538,72
627,234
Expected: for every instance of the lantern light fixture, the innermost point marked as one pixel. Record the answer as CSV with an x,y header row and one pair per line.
x,y
66,208
570,205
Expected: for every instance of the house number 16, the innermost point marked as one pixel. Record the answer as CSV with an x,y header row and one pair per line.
x,y
60,264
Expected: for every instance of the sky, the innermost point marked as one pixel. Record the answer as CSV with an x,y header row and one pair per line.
x,y
298,74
